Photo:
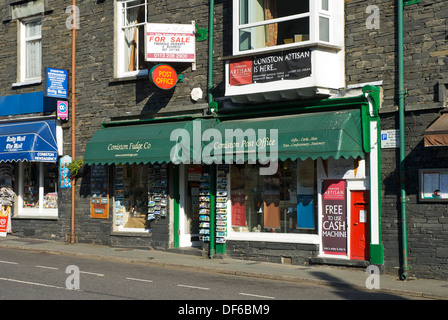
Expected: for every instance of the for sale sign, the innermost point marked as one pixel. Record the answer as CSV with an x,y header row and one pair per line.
x,y
170,42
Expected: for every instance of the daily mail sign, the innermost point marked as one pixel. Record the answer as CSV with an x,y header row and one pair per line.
x,y
170,42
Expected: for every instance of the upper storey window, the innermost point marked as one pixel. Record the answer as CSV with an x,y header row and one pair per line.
x,y
131,19
267,24
30,49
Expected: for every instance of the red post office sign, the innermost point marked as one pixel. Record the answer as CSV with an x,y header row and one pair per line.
x,y
163,76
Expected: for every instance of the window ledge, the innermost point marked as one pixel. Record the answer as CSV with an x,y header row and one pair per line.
x,y
26,83
313,45
141,76
270,237
131,234
34,217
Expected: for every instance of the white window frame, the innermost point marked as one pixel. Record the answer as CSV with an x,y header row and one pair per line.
x,y
302,238
334,14
22,49
33,212
121,6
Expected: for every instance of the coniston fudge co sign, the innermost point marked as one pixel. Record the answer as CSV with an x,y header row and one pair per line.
x,y
293,64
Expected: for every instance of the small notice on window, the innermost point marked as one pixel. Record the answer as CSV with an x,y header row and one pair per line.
x,y
434,184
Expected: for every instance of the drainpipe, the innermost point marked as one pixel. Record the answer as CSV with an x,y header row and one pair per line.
x,y
211,108
401,97
211,104
73,102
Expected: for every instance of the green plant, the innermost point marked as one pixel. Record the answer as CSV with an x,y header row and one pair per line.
x,y
74,167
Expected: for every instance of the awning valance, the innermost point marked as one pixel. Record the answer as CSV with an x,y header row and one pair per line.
x,y
312,135
437,133
33,141
147,143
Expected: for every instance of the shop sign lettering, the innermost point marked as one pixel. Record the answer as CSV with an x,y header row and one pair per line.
x,y
163,76
14,143
170,42
131,146
236,146
293,64
304,142
334,216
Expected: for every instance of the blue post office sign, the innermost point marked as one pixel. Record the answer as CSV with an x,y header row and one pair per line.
x,y
56,83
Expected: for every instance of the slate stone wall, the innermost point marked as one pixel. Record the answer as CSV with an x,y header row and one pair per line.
x,y
371,56
101,97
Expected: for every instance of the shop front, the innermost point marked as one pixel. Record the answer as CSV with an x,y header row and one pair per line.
x,y
303,183
28,169
299,186
144,161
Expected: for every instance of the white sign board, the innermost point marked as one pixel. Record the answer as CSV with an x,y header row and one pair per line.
x,y
390,138
170,42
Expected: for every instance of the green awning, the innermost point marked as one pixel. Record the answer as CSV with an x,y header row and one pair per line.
x,y
147,143
312,135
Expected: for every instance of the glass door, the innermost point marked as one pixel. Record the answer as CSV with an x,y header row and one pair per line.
x,y
190,180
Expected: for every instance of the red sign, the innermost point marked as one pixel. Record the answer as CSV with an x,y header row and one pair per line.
x,y
163,76
334,217
4,215
240,72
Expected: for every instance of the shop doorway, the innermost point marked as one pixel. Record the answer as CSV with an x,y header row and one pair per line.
x,y
190,183
360,226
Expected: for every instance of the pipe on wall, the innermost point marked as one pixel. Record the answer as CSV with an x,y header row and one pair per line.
x,y
211,104
73,110
401,97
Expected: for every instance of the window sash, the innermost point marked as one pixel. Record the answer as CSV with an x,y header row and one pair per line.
x,y
31,50
130,33
272,21
321,15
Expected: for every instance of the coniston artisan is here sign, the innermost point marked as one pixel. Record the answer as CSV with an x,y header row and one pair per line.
x,y
293,64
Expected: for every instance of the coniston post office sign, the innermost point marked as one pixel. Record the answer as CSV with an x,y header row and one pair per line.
x,y
163,76
170,42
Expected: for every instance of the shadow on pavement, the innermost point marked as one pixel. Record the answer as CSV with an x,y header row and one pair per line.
x,y
350,292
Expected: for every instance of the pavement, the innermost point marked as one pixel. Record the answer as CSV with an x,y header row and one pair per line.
x,y
355,278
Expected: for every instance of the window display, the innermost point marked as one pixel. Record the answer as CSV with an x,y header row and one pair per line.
x,y
221,203
280,203
40,186
140,196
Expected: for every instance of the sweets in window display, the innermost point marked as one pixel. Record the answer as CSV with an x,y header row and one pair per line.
x,y
31,197
51,200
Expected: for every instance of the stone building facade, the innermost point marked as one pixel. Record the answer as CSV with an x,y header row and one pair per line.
x,y
105,96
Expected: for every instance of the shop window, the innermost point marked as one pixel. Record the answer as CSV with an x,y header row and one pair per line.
x,y
140,193
30,50
280,203
131,19
37,189
264,24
